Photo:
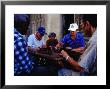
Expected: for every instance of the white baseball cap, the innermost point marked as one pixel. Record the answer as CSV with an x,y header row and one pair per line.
x,y
73,27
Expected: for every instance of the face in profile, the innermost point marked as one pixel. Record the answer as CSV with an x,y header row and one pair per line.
x,y
86,26
82,25
38,36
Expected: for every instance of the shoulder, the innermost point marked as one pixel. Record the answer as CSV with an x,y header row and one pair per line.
x,y
32,36
93,39
48,40
56,40
66,36
16,33
79,35
17,36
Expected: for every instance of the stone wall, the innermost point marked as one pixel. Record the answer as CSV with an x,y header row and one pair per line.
x,y
51,22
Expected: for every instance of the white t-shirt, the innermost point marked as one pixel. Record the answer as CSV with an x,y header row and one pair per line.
x,y
33,42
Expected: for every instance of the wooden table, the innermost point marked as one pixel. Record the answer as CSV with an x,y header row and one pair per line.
x,y
44,58
53,56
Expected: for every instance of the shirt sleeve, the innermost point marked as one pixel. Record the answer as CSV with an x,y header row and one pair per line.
x,y
26,62
89,57
30,40
43,42
81,40
47,42
64,39
22,61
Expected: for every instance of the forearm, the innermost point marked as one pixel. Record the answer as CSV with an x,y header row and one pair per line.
x,y
33,49
59,45
74,64
80,49
30,48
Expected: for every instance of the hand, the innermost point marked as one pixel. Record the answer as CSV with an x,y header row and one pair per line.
x,y
59,45
33,50
64,54
43,46
37,48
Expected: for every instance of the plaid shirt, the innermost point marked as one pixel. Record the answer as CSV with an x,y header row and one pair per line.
x,y
21,59
78,42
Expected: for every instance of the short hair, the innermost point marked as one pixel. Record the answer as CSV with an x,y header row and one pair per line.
x,y
52,34
92,18
21,23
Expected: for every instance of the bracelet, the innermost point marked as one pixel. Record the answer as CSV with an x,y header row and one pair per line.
x,y
67,58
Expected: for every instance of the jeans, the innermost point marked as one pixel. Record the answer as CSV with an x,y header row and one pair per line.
x,y
67,72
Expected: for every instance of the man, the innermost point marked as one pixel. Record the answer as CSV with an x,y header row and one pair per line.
x,y
22,64
87,64
51,41
35,41
74,40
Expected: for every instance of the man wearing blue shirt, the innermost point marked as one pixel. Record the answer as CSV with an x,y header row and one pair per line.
x,y
74,40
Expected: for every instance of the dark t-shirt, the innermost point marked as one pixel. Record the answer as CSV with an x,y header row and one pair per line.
x,y
51,42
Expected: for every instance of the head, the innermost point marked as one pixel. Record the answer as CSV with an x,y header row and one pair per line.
x,y
21,23
52,35
73,27
40,32
90,22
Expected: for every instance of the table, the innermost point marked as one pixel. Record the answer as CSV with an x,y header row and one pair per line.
x,y
52,61
44,56
53,56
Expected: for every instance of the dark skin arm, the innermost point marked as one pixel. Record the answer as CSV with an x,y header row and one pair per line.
x,y
33,49
73,63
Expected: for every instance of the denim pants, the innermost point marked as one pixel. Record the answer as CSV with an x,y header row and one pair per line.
x,y
67,72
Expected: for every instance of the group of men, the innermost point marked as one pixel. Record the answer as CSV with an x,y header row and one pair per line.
x,y
74,41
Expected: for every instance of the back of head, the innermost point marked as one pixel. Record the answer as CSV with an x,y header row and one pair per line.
x,y
21,22
92,18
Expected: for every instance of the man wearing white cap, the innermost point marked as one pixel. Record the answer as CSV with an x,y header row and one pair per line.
x,y
87,63
74,40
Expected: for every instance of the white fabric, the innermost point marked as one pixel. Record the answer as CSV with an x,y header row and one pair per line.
x,y
73,27
33,42
89,56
